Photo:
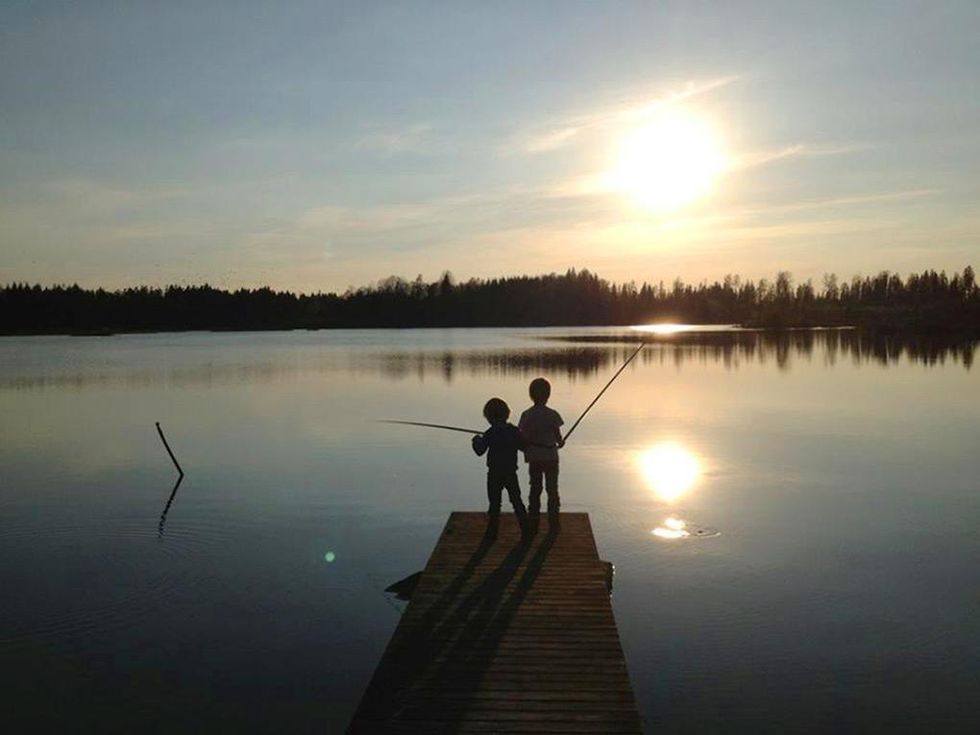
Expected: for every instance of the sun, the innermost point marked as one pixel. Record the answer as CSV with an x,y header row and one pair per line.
x,y
669,161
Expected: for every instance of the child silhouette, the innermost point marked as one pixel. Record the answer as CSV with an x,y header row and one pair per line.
x,y
500,443
539,427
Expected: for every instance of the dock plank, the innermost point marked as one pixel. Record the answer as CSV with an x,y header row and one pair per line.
x,y
502,636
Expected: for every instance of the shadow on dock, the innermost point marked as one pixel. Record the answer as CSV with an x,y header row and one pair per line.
x,y
502,635
456,639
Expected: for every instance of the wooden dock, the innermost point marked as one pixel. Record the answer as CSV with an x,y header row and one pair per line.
x,y
501,636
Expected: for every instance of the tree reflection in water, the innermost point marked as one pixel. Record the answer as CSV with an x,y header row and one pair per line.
x,y
599,353
576,356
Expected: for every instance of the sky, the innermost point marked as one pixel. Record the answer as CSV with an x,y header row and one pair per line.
x,y
321,145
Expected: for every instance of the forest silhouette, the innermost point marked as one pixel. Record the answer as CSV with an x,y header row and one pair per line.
x,y
927,300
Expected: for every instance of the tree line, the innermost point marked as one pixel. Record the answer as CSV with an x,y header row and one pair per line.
x,y
927,300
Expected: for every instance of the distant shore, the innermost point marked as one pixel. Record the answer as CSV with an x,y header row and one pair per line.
x,y
951,333
922,301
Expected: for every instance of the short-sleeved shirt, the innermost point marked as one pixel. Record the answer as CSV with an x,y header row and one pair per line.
x,y
501,442
538,425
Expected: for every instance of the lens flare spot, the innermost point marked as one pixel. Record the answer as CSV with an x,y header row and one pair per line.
x,y
669,470
330,557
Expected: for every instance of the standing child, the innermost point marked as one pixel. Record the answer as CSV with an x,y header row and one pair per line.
x,y
539,426
501,442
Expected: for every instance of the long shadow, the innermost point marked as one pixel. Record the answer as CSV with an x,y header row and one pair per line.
x,y
465,663
454,642
430,620
404,659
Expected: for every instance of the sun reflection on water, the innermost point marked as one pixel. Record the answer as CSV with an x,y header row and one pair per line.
x,y
672,528
669,469
666,328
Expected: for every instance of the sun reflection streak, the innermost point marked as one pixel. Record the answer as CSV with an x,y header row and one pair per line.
x,y
666,328
669,470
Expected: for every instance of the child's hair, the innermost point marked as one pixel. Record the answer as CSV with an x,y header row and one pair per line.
x,y
540,390
496,410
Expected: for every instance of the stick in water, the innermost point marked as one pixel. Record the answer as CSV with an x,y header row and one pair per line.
x,y
169,451
166,508
596,399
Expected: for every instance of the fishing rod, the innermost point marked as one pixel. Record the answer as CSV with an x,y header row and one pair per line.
x,y
448,428
430,426
604,389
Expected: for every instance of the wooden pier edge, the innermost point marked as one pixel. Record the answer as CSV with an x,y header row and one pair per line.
x,y
505,636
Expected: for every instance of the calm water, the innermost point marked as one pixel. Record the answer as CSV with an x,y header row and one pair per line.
x,y
828,484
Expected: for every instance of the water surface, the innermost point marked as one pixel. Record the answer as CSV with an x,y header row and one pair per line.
x,y
820,486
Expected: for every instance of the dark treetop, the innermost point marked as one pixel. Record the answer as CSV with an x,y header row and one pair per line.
x,y
921,300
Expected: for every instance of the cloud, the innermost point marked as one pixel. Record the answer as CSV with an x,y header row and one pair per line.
x,y
551,136
873,198
74,212
441,226
552,140
799,150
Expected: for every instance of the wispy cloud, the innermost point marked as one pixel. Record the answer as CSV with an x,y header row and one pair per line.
x,y
836,202
562,131
798,150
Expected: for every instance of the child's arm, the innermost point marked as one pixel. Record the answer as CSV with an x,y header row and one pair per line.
x,y
559,442
522,431
479,444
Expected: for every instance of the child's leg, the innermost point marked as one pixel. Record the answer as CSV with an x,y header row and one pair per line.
x,y
551,483
495,486
534,471
513,486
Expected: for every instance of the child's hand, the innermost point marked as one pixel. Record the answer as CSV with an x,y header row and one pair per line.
x,y
561,442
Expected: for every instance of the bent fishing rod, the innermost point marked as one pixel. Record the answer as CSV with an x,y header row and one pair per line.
x,y
604,389
430,426
447,428
567,434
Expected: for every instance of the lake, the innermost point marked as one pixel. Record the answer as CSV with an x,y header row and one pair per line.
x,y
792,518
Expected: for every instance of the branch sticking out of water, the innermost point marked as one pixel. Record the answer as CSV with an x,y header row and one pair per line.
x,y
169,451
166,508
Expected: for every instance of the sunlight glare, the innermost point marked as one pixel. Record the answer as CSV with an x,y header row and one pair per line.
x,y
672,528
662,329
671,160
669,470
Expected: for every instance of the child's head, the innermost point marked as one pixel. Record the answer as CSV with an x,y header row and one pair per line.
x,y
540,391
496,411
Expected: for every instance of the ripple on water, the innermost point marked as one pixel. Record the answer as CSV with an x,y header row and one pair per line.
x,y
111,573
673,528
624,525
